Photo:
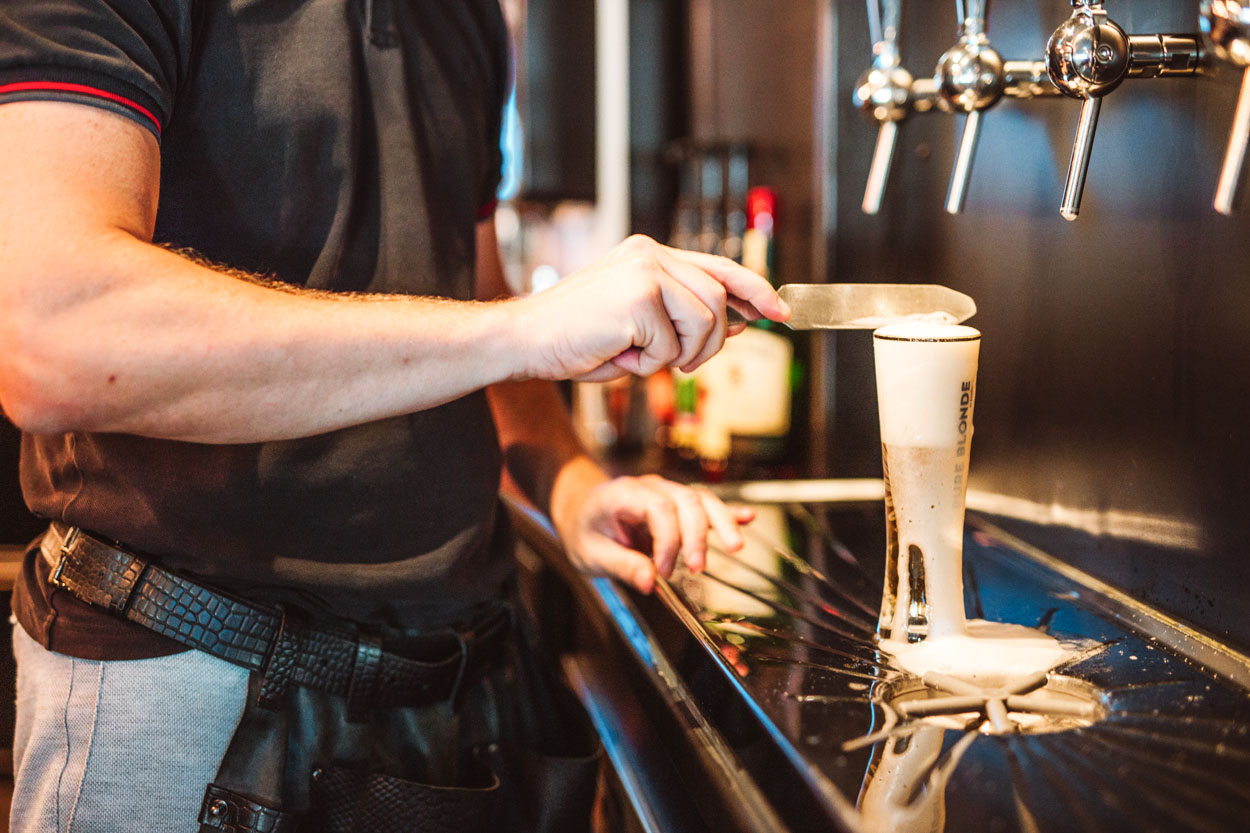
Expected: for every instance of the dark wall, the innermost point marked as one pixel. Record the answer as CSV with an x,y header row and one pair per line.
x,y
658,111
556,99
1115,364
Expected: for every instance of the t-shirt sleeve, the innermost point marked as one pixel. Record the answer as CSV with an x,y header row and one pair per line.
x,y
128,56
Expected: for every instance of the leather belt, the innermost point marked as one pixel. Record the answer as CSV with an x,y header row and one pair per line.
x,y
340,659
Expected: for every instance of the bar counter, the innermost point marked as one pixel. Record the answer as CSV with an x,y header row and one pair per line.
x,y
753,697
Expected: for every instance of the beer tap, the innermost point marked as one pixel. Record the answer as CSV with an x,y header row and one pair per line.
x,y
885,94
1087,57
970,79
1227,22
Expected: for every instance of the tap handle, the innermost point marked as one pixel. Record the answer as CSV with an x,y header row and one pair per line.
x,y
884,94
1079,164
882,156
883,22
962,172
971,14
1230,174
970,77
1228,25
1087,57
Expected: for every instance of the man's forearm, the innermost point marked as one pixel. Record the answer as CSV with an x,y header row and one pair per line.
x,y
541,451
152,343
102,331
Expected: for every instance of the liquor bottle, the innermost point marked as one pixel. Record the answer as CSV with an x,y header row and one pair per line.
x,y
673,396
758,248
742,423
769,357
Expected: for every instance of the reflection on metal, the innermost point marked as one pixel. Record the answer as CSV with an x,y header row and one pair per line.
x,y
1031,704
1132,733
1213,655
1157,530
710,746
633,632
615,744
743,584
905,786
886,94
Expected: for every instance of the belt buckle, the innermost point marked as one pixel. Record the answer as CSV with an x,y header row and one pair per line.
x,y
97,573
59,568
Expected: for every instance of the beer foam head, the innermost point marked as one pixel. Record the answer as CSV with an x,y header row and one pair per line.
x,y
926,383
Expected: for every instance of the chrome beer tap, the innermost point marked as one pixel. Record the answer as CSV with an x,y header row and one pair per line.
x,y
970,79
1087,57
1227,23
886,93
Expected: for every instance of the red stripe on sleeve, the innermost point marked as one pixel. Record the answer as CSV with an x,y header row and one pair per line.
x,y
55,86
484,213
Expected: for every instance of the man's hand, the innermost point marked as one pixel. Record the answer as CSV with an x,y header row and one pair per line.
x,y
641,308
632,528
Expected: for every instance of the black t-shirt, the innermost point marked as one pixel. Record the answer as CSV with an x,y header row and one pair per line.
x,y
346,145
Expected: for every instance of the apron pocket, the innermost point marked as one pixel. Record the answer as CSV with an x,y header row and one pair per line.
x,y
349,801
561,790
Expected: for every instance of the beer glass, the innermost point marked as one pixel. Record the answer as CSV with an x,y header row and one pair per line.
x,y
926,387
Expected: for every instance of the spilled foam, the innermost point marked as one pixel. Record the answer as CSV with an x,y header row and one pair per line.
x,y
987,654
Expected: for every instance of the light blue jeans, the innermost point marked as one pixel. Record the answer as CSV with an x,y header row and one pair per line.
x,y
118,746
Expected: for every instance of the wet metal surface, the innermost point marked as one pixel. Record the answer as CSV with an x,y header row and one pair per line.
x,y
1129,734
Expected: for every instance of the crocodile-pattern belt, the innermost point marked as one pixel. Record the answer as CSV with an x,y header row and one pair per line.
x,y
339,659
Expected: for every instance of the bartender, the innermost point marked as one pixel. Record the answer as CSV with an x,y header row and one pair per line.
x,y
255,333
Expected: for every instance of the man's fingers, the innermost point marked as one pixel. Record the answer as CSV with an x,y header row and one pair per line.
x,y
723,519
740,282
714,297
677,518
745,309
693,321
604,372
641,308
660,323
641,505
692,520
613,559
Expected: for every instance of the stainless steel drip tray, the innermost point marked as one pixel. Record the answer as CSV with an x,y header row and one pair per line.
x,y
774,648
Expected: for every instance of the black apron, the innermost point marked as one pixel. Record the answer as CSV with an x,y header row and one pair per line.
x,y
512,751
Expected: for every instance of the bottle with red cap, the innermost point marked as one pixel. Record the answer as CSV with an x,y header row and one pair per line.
x,y
752,379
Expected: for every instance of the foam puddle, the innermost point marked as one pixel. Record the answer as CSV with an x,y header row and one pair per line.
x,y
986,654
